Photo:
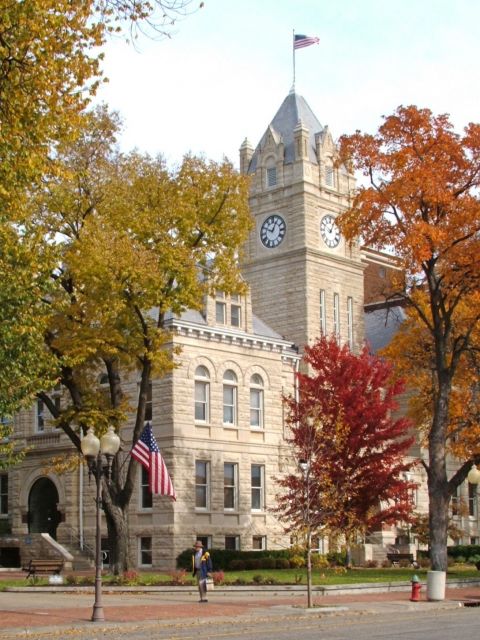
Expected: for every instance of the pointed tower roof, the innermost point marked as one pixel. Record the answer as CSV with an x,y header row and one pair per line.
x,y
292,110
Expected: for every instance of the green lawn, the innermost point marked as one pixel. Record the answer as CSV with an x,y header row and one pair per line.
x,y
274,576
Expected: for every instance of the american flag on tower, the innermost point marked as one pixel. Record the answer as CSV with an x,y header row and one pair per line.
x,y
146,452
300,41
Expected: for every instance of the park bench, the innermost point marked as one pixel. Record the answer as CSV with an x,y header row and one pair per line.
x,y
37,567
397,557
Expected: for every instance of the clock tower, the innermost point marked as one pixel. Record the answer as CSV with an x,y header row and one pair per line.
x,y
305,279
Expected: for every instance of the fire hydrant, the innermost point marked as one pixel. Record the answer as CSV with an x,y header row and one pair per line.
x,y
416,586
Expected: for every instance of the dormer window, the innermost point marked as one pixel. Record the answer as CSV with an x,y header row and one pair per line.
x,y
271,176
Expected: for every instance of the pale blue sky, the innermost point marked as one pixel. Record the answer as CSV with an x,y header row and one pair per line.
x,y
225,72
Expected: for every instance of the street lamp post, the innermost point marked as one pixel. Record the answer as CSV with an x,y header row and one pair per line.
x,y
305,467
93,449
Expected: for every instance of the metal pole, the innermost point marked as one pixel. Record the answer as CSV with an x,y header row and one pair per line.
x,y
293,53
309,546
97,614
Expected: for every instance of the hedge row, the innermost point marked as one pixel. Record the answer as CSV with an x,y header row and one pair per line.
x,y
231,560
222,558
465,551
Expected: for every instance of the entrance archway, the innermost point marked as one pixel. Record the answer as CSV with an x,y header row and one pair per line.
x,y
43,516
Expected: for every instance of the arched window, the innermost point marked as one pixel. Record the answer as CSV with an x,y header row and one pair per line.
x,y
230,393
202,394
256,402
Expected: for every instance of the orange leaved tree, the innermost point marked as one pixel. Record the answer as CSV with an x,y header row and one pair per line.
x,y
421,200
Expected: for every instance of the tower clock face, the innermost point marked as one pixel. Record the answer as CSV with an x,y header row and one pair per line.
x,y
273,231
330,232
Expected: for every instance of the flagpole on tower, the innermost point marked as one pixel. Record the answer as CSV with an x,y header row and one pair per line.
x,y
293,53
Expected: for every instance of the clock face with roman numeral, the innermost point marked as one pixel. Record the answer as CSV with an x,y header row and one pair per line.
x,y
330,232
273,231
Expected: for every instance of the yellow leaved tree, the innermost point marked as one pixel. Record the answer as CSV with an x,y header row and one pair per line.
x,y
134,241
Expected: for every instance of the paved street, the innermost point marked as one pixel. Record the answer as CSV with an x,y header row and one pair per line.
x,y
237,615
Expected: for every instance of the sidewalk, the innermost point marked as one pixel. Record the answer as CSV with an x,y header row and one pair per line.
x,y
43,609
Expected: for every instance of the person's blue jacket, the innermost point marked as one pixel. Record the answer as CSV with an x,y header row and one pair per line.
x,y
205,565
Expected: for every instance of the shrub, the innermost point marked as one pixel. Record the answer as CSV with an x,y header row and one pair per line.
x,y
319,561
258,579
296,562
178,577
130,577
337,558
404,564
253,563
71,579
424,563
237,565
386,564
267,563
372,564
460,559
282,563
218,577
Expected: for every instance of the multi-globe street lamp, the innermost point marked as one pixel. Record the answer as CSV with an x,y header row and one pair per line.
x,y
94,449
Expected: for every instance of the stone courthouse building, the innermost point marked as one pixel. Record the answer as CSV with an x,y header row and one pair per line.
x,y
218,417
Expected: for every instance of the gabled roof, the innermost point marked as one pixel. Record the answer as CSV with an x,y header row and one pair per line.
x,y
293,109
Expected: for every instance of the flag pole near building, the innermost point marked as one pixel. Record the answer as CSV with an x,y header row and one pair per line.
x,y
299,42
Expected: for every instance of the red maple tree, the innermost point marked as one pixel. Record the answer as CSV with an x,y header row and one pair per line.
x,y
351,446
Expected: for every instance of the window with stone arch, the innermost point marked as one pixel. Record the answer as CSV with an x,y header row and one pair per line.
x,y
230,396
202,394
256,402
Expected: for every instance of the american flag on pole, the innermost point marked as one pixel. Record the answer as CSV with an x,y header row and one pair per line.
x,y
300,41
146,452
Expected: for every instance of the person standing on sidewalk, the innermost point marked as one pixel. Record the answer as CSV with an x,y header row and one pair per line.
x,y
202,567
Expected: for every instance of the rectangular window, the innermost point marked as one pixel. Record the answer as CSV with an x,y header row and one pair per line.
x,y
201,484
323,314
258,491
232,543
230,483
256,408
472,499
220,312
40,416
4,494
202,390
145,551
229,404
455,502
336,315
236,315
145,493
350,321
259,543
271,176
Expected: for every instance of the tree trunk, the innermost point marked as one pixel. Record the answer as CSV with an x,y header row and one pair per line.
x,y
117,526
438,491
438,524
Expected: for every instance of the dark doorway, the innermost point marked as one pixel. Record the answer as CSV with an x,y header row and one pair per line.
x,y
43,516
